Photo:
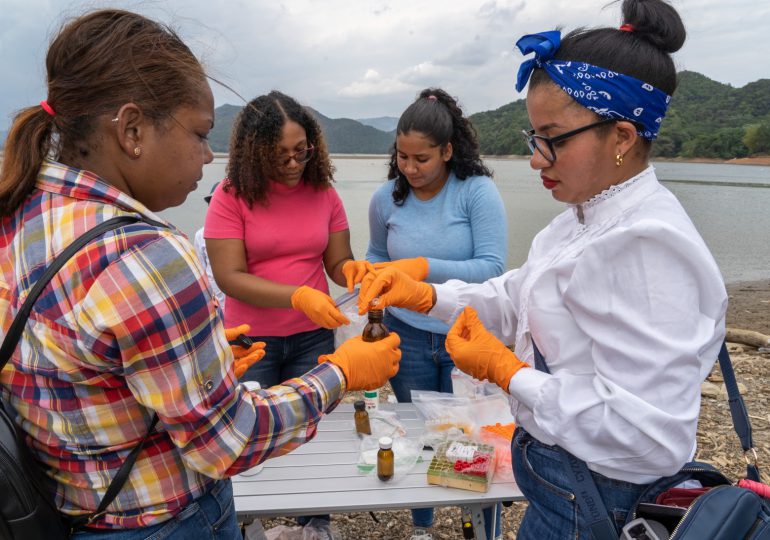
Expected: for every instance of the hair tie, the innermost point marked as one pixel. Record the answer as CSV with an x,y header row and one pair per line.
x,y
627,28
47,108
432,98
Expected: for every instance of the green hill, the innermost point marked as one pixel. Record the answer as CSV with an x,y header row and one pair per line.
x,y
706,119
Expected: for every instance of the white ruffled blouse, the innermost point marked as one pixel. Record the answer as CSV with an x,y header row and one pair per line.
x,y
627,305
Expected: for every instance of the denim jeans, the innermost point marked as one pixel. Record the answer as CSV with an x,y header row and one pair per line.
x,y
425,365
553,513
290,356
211,516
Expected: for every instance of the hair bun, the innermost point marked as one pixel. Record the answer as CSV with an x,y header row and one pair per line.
x,y
655,21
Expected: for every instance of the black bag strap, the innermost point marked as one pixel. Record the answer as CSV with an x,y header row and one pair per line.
x,y
739,413
587,494
17,328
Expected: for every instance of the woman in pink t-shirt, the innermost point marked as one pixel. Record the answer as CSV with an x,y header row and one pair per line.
x,y
273,226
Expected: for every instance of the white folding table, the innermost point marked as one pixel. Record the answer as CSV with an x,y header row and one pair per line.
x,y
321,477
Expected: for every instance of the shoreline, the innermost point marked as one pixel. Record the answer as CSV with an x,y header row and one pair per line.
x,y
748,305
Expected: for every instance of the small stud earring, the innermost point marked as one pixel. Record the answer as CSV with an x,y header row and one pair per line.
x,y
137,151
619,160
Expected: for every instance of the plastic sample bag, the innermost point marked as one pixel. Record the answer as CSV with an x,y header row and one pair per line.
x,y
348,305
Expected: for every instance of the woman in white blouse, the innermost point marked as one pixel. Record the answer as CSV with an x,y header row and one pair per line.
x,y
619,292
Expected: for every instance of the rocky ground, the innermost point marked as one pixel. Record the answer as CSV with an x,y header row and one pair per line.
x,y
717,443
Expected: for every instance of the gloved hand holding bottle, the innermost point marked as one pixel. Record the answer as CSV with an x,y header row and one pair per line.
x,y
245,357
366,365
477,352
318,306
392,287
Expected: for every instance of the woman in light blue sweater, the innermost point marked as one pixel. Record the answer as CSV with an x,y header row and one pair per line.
x,y
438,217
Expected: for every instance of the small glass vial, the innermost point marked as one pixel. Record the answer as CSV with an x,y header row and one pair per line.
x,y
385,459
362,418
374,329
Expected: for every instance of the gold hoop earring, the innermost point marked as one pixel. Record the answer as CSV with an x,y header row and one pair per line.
x,y
137,151
619,160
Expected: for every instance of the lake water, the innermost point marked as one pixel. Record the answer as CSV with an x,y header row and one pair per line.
x,y
730,205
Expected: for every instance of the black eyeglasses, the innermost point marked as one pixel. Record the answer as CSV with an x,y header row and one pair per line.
x,y
300,156
544,145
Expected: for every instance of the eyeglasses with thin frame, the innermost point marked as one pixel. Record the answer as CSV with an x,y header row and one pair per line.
x,y
544,144
300,156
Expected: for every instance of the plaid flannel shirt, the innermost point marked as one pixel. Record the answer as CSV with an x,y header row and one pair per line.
x,y
126,328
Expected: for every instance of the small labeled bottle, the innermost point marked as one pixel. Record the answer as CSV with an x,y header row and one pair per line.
x,y
372,399
374,329
362,418
385,459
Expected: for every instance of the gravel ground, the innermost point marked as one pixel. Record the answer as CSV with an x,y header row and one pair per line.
x,y
717,444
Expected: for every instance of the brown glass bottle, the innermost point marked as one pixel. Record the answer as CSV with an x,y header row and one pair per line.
x,y
385,459
362,418
374,329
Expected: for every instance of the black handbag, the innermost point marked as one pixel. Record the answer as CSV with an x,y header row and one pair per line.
x,y
27,509
723,512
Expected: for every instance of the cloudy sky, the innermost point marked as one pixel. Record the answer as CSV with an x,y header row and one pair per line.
x,y
367,58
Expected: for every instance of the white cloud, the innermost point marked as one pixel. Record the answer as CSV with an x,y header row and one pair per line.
x,y
358,58
373,84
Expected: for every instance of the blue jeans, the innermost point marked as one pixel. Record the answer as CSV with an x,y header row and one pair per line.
x,y
210,516
425,365
290,356
552,513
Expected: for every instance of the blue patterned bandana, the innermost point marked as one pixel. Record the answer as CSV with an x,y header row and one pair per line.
x,y
607,93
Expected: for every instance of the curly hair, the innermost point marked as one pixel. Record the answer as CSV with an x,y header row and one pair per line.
x,y
255,136
437,115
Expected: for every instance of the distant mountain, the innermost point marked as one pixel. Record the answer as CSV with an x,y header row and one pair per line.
x,y
706,119
383,123
3,135
224,118
347,136
343,135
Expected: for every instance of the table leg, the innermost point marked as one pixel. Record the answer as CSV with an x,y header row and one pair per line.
x,y
476,511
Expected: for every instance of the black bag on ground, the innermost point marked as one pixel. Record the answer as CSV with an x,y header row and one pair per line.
x,y
27,509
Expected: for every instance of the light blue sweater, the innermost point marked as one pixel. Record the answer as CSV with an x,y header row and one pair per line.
x,y
462,231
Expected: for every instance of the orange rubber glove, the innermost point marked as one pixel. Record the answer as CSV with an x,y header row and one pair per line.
x,y
416,268
319,307
244,357
477,352
366,366
354,272
395,288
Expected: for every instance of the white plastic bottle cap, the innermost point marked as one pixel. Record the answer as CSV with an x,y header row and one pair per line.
x,y
386,443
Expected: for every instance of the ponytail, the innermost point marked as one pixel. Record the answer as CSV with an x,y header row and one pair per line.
x,y
27,145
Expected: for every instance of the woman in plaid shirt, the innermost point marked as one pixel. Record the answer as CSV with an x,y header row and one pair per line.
x,y
128,327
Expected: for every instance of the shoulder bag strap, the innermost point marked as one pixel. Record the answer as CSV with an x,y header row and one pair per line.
x,y
17,328
739,414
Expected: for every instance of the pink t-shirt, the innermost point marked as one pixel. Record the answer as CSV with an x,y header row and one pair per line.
x,y
284,242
